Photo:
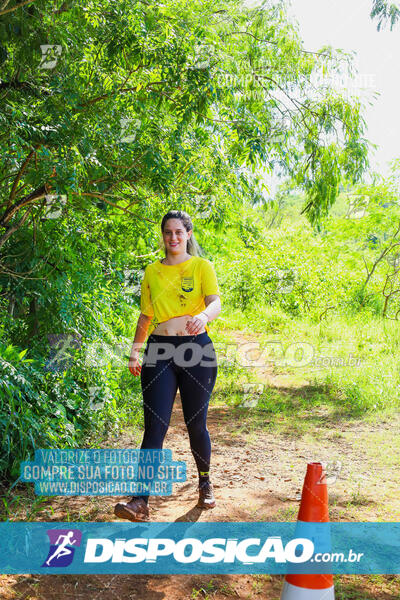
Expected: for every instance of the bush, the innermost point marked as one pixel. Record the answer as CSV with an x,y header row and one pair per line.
x,y
42,409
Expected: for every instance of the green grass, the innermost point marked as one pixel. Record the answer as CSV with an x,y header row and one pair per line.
x,y
367,587
342,389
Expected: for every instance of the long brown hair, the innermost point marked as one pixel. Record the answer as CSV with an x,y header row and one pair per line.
x,y
192,245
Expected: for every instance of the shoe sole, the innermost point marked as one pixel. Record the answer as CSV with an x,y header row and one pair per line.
x,y
123,512
201,505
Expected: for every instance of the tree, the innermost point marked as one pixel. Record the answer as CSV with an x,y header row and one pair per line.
x,y
385,12
113,111
128,99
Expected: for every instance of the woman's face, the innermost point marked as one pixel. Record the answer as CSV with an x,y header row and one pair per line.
x,y
175,236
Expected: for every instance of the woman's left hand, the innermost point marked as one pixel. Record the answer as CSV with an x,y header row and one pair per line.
x,y
196,323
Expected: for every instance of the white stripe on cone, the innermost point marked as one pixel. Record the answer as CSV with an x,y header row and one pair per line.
x,y
293,592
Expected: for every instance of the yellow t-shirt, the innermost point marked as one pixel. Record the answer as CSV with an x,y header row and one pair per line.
x,y
174,290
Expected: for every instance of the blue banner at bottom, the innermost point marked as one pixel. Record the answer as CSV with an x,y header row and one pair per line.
x,y
200,548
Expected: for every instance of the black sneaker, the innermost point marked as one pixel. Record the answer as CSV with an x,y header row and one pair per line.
x,y
134,510
206,495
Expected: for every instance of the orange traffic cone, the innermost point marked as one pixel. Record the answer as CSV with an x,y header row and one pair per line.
x,y
313,508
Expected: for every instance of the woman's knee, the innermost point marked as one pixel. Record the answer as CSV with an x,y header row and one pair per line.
x,y
155,433
197,430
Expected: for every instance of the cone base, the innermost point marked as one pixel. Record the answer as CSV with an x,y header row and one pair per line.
x,y
293,592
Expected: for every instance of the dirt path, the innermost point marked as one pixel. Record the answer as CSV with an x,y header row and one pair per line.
x,y
258,475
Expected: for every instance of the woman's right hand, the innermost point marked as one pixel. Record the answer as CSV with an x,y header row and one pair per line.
x,y
134,364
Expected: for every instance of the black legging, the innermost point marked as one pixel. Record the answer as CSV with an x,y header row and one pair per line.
x,y
160,378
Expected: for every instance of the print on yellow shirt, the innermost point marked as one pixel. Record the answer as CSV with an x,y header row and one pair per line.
x,y
174,290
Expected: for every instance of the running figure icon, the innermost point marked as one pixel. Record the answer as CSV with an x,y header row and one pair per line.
x,y
62,550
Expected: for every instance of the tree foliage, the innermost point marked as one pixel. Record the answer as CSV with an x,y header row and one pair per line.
x,y
136,102
385,13
112,112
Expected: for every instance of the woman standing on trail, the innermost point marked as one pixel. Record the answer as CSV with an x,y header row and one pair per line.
x,y
179,296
